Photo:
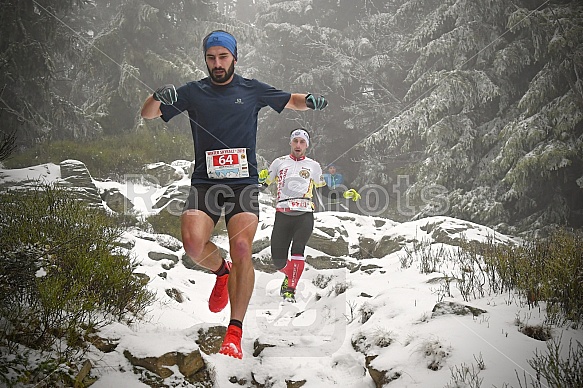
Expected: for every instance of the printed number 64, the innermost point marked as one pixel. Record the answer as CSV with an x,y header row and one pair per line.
x,y
225,159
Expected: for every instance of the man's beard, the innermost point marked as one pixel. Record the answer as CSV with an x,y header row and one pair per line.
x,y
225,77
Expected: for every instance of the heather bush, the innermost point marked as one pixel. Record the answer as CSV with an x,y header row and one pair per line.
x,y
63,274
546,269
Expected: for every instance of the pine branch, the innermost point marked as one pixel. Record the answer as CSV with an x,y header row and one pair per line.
x,y
576,85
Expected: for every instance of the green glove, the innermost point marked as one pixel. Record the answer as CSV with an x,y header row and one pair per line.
x,y
166,94
263,174
351,194
316,103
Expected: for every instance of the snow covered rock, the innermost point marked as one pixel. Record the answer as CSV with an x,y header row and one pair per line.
x,y
75,175
173,198
116,201
334,245
190,365
443,308
163,174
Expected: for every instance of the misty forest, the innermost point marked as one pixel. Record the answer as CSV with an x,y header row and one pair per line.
x,y
466,108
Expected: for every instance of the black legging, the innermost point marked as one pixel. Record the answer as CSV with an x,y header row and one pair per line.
x,y
288,227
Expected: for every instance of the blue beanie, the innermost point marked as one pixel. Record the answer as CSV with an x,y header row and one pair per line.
x,y
221,38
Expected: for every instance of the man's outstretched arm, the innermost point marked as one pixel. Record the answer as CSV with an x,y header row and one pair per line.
x,y
301,101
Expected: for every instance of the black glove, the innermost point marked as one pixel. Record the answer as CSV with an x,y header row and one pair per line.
x,y
316,103
166,94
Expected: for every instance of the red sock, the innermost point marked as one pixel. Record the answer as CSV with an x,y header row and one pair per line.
x,y
293,270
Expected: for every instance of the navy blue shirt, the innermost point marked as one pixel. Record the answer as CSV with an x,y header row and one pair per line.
x,y
223,117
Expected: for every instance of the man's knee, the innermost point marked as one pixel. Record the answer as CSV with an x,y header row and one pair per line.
x,y
193,247
241,249
196,228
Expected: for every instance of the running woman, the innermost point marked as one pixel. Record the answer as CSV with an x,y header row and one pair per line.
x,y
297,176
223,109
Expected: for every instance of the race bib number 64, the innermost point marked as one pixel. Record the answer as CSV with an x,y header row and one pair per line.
x,y
227,163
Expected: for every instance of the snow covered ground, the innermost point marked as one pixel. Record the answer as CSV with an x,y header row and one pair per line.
x,y
385,311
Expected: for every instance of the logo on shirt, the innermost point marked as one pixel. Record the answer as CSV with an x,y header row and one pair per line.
x,y
305,173
239,101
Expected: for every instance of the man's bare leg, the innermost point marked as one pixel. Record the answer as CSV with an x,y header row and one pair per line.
x,y
241,229
197,227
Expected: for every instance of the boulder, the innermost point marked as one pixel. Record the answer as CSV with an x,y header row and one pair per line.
x,y
74,175
210,339
116,201
169,242
388,245
332,246
157,256
445,232
327,262
105,345
173,198
162,174
381,378
191,365
443,308
370,268
143,278
261,244
366,247
451,231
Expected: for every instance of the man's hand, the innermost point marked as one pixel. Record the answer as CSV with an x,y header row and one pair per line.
x,y
316,103
166,94
352,194
263,174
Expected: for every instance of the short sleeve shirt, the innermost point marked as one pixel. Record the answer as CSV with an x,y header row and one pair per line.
x,y
224,117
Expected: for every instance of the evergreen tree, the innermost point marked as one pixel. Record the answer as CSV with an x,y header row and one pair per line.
x,y
317,46
494,110
142,46
35,45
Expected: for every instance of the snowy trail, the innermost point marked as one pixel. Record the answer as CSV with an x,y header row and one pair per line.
x,y
382,321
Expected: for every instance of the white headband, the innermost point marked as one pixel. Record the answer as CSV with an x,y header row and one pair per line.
x,y
301,134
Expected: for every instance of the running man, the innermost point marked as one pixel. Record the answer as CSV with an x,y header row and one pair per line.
x,y
297,176
223,109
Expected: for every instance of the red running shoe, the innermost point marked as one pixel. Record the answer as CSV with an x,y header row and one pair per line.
x,y
220,294
232,343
